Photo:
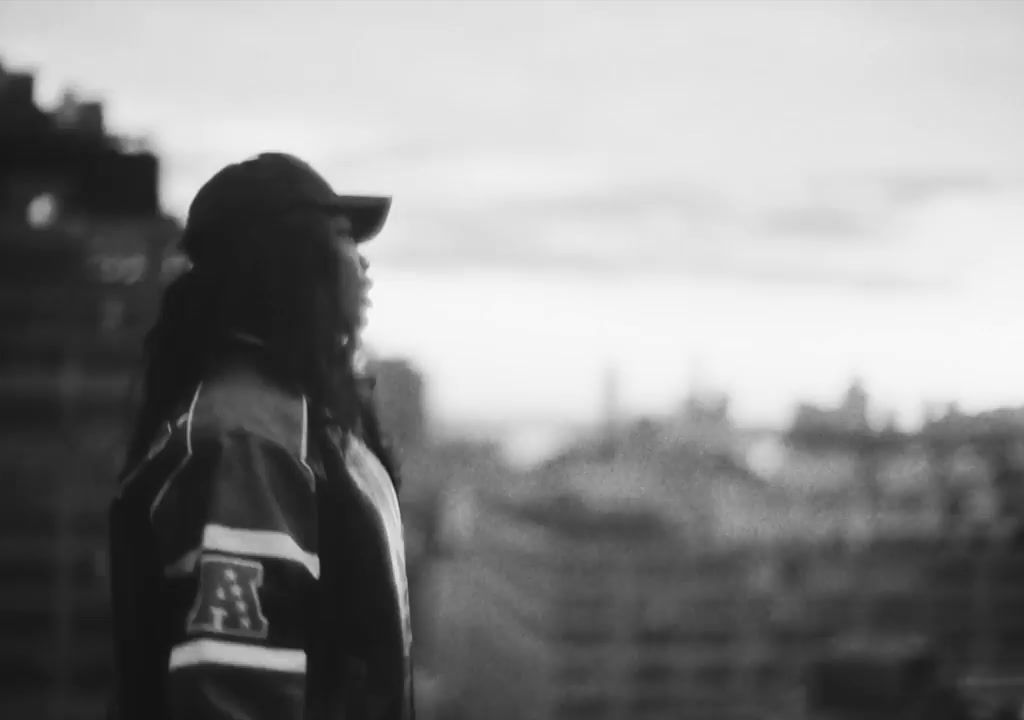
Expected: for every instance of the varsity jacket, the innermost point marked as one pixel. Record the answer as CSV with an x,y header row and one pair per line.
x,y
250,583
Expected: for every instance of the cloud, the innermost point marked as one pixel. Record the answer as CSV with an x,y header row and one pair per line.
x,y
761,142
833,239
816,223
913,189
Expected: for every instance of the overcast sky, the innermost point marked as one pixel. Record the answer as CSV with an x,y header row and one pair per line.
x,y
765,196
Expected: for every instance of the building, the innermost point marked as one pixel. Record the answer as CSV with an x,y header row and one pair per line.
x,y
83,244
401,401
852,415
585,612
648,574
66,160
624,579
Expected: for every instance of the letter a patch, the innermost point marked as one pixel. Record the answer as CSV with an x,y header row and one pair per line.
x,y
228,601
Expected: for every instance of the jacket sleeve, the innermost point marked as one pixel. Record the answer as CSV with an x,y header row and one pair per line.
x,y
236,531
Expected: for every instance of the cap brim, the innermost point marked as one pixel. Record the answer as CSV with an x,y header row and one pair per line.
x,y
367,213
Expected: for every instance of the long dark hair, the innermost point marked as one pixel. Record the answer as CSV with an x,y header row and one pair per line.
x,y
272,278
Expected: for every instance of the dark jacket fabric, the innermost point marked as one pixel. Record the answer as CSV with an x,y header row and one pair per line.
x,y
258,568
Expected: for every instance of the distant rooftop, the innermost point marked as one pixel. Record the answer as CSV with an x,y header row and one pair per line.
x,y
69,155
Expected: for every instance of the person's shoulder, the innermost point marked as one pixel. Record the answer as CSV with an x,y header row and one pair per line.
x,y
244,401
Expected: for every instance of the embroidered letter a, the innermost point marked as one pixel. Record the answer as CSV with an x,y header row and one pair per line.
x,y
227,602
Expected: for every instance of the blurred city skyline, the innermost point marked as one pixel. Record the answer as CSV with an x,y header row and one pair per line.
x,y
765,197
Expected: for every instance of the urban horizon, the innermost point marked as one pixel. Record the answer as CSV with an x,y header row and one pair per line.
x,y
547,227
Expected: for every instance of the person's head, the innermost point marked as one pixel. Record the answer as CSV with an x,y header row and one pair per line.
x,y
275,256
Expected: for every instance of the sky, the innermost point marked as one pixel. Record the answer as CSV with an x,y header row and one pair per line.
x,y
762,198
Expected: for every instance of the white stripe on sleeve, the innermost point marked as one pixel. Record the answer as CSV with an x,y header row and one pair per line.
x,y
254,657
250,543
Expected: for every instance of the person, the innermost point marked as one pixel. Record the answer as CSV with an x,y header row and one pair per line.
x,y
257,558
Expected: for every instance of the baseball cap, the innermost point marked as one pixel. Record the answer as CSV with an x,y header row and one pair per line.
x,y
272,184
